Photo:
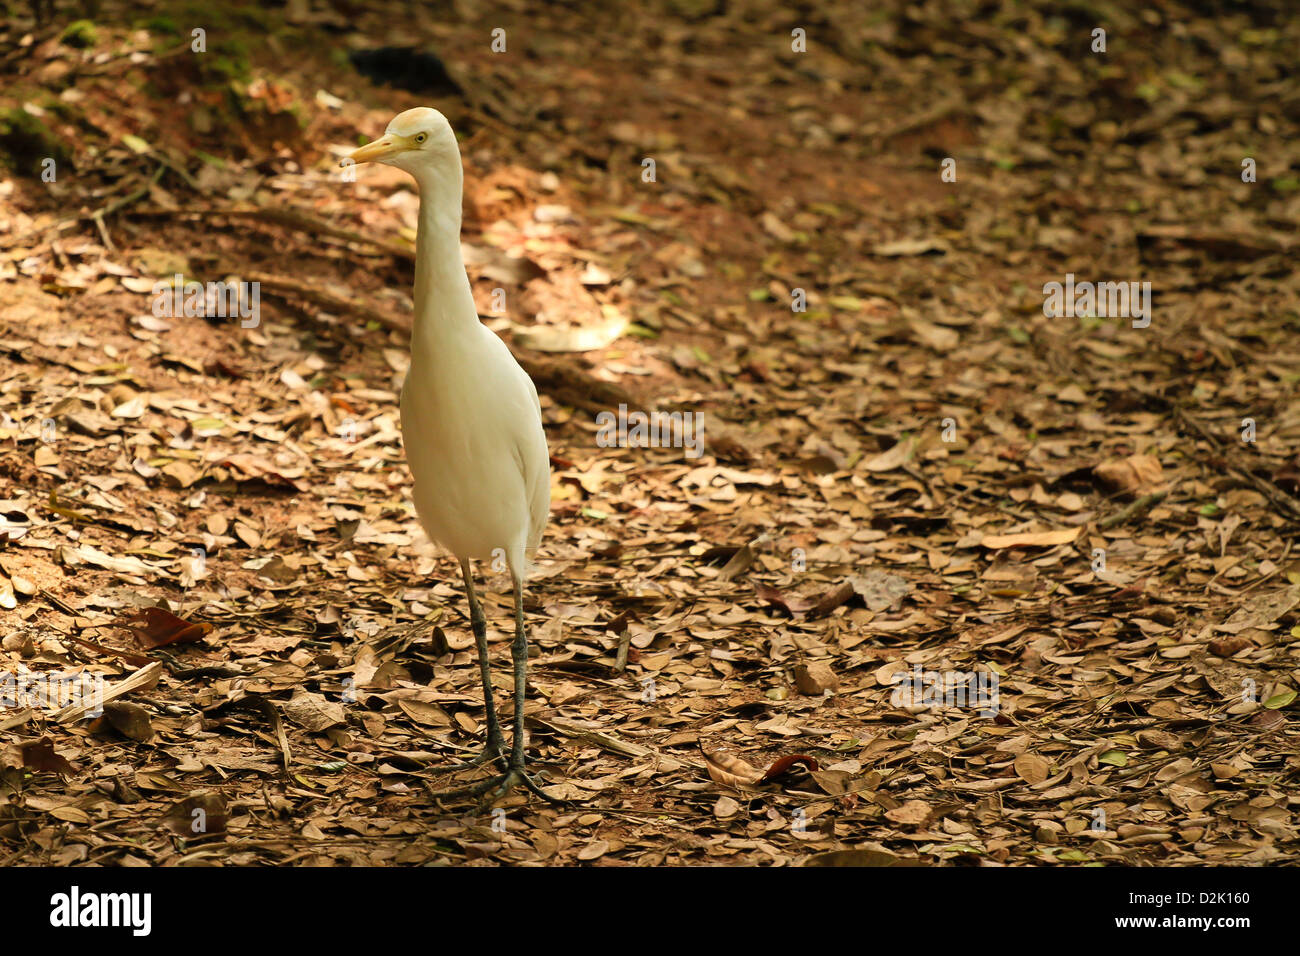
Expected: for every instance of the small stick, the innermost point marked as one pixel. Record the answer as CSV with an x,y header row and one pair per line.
x,y
624,644
1142,504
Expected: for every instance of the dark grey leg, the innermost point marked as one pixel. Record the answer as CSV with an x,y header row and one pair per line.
x,y
496,741
516,773
495,747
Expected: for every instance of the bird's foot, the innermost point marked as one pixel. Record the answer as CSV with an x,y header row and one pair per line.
x,y
494,751
494,788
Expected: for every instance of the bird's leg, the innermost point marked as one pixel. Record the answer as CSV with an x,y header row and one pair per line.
x,y
496,742
515,772
519,655
495,748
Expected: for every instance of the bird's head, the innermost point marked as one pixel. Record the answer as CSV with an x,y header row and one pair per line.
x,y
416,140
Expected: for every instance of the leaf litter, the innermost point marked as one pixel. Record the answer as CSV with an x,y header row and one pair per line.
x,y
918,485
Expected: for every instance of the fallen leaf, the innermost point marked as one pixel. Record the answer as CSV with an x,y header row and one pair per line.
x,y
783,765
730,771
893,458
1131,474
815,678
1030,539
313,712
1261,610
130,720
198,816
911,813
156,627
725,808
39,756
1032,768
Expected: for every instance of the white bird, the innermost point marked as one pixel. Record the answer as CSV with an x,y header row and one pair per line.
x,y
471,421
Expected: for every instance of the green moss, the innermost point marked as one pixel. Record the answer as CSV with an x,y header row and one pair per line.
x,y
80,33
226,18
162,25
25,141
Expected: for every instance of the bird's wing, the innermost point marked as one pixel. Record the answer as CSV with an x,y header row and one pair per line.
x,y
533,457
537,484
531,454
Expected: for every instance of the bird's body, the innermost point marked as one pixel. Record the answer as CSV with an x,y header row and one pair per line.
x,y
466,402
471,422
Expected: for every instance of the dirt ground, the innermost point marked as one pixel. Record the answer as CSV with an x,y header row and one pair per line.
x,y
912,476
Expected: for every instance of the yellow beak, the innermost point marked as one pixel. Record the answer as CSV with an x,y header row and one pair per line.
x,y
387,145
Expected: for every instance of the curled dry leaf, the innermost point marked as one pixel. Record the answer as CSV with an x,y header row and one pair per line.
x,y
39,756
156,627
911,813
129,720
198,815
895,457
789,603
1132,474
732,771
740,561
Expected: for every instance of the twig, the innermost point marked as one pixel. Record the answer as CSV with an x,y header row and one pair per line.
x,y
1141,504
98,216
300,221
313,293
624,645
1281,500
58,605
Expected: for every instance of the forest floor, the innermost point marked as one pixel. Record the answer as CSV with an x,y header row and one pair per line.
x,y
911,476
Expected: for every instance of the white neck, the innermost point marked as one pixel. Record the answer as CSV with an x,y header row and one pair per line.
x,y
443,301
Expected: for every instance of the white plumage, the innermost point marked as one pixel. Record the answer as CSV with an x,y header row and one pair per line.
x,y
471,421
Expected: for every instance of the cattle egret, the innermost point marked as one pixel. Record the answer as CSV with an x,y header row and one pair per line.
x,y
471,421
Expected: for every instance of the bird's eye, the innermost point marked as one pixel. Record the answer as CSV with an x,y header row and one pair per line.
x,y
421,137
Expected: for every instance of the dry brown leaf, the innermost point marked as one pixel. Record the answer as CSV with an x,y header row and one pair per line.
x,y
158,627
1136,473
815,678
313,712
911,813
1032,768
731,771
1030,539
896,457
